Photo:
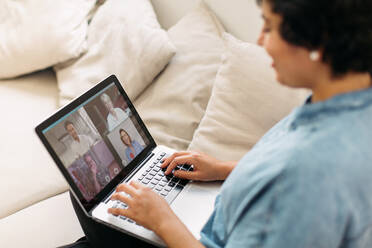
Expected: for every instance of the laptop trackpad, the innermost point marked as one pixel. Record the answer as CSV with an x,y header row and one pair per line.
x,y
195,204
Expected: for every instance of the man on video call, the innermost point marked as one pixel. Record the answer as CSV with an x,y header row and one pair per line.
x,y
80,143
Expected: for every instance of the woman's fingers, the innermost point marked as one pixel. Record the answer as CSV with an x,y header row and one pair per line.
x,y
185,159
191,175
137,185
129,189
120,211
117,196
168,160
144,206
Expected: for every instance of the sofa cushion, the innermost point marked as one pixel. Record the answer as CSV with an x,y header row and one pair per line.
x,y
246,101
50,223
28,174
174,104
125,39
39,35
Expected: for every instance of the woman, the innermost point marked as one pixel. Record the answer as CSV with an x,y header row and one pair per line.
x,y
133,148
115,115
307,182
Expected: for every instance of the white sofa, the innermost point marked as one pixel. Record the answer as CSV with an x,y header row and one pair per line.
x,y
35,210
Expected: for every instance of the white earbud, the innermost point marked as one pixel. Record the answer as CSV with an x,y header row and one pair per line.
x,y
314,55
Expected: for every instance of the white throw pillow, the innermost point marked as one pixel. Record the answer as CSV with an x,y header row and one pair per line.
x,y
125,39
246,102
38,34
174,104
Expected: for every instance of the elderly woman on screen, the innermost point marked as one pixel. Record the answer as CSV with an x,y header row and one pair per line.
x,y
115,115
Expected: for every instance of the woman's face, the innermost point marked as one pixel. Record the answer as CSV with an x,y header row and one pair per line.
x,y
292,64
125,138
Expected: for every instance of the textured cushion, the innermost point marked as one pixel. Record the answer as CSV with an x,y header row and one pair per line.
x,y
246,101
36,35
174,104
50,223
124,38
28,174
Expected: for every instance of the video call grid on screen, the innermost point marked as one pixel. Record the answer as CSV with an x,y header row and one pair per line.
x,y
96,140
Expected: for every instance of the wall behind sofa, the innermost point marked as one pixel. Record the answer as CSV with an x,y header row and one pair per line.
x,y
240,17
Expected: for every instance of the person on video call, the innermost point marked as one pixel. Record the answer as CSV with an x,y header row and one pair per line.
x,y
100,176
115,115
80,143
133,148
307,182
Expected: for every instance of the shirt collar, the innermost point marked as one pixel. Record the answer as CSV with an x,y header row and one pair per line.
x,y
339,103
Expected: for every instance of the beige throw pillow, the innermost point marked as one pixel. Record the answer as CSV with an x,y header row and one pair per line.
x,y
125,39
174,104
38,34
246,102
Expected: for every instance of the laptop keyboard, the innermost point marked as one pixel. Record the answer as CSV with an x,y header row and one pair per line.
x,y
166,186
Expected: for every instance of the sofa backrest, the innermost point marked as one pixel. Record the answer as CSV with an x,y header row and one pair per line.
x,y
239,17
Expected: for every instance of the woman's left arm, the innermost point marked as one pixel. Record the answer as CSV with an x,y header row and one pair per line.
x,y
152,212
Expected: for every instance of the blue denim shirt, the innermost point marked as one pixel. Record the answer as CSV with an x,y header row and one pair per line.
x,y
137,149
307,183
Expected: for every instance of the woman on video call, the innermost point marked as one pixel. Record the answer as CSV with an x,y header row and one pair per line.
x,y
133,148
307,182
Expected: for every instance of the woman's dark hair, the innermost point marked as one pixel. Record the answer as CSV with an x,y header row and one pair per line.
x,y
341,28
122,130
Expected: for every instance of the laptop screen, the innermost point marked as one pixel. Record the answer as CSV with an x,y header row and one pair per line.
x,y
98,139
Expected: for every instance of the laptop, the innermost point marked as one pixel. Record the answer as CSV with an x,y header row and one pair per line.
x,y
99,141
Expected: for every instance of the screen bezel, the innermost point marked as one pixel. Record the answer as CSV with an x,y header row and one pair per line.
x,y
61,113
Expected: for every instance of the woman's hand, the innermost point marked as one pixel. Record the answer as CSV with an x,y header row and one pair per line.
x,y
152,212
205,168
145,207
